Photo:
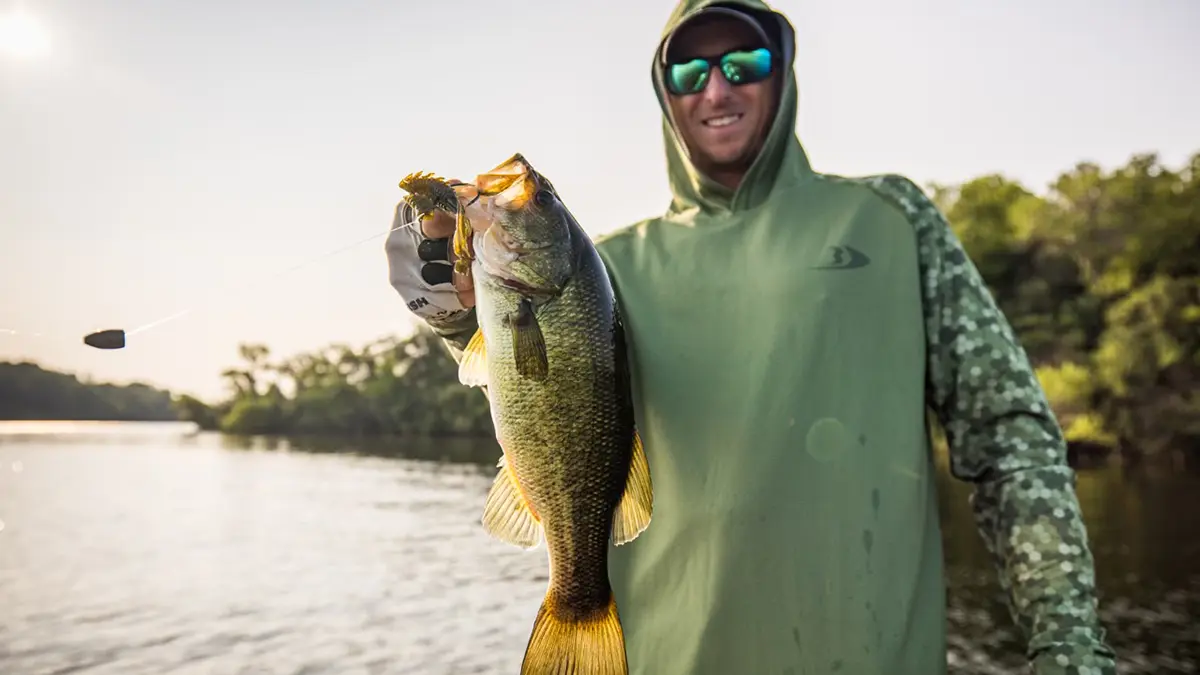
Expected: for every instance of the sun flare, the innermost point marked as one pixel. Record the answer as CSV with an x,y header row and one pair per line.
x,y
22,36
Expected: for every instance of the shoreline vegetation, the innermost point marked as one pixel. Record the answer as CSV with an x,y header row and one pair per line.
x,y
29,392
1099,276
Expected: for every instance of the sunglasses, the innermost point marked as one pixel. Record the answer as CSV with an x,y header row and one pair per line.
x,y
738,66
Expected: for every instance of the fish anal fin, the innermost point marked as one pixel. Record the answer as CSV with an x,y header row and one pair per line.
x,y
568,642
507,515
633,513
529,345
472,367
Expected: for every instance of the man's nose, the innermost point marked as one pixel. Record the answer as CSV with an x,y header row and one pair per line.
x,y
717,88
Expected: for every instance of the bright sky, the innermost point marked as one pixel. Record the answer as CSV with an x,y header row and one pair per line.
x,y
160,155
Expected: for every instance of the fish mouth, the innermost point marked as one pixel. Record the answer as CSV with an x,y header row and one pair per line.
x,y
510,184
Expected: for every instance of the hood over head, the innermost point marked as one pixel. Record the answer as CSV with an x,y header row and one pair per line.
x,y
782,161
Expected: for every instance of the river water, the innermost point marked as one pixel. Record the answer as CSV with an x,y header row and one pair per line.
x,y
141,548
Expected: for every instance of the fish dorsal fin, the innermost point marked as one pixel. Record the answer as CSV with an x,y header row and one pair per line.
x,y
507,516
632,516
472,367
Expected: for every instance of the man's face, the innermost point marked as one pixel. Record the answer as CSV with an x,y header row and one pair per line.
x,y
724,126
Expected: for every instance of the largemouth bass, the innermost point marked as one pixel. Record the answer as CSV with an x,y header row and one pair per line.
x,y
550,352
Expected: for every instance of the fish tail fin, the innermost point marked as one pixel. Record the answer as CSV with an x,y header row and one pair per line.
x,y
561,644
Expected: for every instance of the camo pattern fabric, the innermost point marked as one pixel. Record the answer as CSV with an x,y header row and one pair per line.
x,y
1004,438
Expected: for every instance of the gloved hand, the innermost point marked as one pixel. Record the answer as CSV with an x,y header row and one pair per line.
x,y
421,267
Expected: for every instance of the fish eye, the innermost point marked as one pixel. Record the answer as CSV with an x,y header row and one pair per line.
x,y
543,198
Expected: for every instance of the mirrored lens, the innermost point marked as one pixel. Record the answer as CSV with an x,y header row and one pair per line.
x,y
684,78
746,67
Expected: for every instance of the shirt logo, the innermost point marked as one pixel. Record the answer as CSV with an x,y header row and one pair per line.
x,y
843,258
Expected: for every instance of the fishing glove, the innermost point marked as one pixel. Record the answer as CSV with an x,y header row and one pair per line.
x,y
421,272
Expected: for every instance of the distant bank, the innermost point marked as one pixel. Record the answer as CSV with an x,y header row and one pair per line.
x,y
31,392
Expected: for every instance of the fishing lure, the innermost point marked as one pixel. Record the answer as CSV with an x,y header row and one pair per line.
x,y
426,194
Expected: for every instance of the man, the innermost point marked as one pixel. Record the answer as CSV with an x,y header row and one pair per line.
x,y
787,331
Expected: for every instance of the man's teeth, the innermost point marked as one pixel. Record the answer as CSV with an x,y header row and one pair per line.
x,y
722,121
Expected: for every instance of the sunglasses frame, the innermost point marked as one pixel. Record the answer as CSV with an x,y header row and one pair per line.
x,y
718,62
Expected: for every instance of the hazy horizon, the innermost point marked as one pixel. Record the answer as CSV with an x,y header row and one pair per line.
x,y
162,155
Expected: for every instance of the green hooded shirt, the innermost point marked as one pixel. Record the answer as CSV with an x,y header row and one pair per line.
x,y
786,341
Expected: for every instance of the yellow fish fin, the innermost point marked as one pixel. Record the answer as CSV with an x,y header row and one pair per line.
x,y
507,516
472,367
632,516
529,345
462,237
593,643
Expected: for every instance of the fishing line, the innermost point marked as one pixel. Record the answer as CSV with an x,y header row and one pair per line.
x,y
272,277
115,338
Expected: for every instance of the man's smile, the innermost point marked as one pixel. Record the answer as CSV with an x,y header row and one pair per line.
x,y
720,121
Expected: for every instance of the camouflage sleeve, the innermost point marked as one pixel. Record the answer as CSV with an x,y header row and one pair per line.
x,y
1004,438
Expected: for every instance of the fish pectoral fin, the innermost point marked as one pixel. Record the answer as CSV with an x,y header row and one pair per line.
x,y
507,516
573,641
529,345
633,513
472,367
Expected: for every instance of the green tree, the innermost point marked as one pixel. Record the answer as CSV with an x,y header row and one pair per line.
x,y
389,387
1099,278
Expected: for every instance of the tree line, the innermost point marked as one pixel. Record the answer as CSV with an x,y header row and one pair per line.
x,y
393,386
30,392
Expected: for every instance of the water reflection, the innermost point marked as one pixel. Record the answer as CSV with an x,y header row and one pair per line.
x,y
447,449
1144,530
152,549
